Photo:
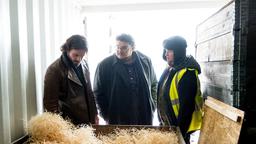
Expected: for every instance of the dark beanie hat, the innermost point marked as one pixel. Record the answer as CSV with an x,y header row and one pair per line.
x,y
178,44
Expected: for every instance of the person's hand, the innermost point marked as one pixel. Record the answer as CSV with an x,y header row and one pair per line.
x,y
97,119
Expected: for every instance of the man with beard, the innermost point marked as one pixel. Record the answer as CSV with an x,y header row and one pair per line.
x,y
67,86
125,85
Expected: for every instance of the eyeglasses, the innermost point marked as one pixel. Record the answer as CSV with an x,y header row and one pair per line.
x,y
123,48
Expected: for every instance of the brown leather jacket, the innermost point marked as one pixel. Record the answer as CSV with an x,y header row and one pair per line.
x,y
64,93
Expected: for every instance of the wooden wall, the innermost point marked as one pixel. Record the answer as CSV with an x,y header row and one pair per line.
x,y
215,51
225,47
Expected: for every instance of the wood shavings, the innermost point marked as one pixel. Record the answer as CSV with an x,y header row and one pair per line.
x,y
144,136
49,128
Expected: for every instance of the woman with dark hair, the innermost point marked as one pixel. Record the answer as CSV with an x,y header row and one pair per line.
x,y
67,86
179,99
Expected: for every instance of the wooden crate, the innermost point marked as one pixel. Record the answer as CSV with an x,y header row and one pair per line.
x,y
221,123
107,129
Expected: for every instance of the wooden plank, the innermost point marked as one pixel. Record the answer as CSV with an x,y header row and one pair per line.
x,y
218,24
221,108
219,93
107,129
217,73
22,140
221,123
217,49
217,80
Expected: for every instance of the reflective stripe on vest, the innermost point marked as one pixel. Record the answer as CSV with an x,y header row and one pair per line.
x,y
196,120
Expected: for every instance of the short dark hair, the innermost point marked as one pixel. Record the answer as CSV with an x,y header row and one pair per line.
x,y
176,43
75,42
126,38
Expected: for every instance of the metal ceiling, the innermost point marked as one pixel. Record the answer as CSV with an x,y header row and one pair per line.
x,y
125,2
89,6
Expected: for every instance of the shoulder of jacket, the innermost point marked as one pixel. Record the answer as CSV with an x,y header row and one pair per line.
x,y
188,72
85,64
142,56
57,65
107,61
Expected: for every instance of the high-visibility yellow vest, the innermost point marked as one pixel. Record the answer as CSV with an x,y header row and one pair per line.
x,y
196,120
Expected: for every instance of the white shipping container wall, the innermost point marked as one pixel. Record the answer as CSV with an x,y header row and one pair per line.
x,y
31,33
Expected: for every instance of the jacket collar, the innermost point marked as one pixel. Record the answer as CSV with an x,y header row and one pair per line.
x,y
137,54
141,58
188,62
71,69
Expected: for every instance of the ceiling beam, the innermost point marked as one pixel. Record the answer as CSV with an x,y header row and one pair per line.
x,y
152,6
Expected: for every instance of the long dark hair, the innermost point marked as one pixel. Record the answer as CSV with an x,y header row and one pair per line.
x,y
75,42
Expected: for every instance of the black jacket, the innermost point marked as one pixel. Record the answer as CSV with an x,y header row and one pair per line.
x,y
113,93
187,89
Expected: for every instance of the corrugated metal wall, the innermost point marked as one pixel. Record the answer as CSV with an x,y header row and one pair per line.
x,y
31,32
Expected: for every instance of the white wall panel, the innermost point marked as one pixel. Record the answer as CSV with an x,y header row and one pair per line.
x,y
5,48
32,32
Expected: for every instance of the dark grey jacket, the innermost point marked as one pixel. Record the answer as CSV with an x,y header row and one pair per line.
x,y
111,90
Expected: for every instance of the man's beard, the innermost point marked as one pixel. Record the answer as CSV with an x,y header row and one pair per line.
x,y
76,64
